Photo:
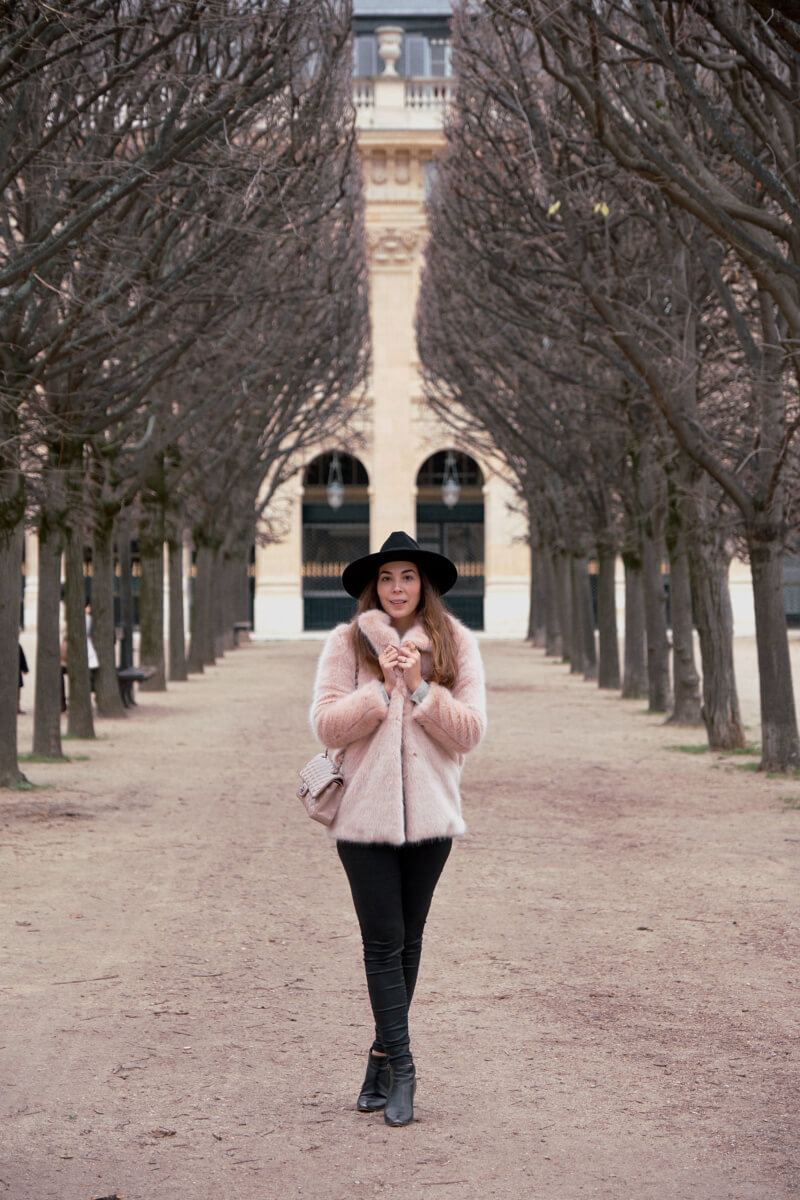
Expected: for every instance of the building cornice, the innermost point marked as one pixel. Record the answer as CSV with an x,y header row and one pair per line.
x,y
416,139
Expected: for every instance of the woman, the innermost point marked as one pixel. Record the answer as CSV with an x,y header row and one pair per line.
x,y
401,690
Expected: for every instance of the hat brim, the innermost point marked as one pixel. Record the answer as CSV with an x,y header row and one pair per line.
x,y
439,570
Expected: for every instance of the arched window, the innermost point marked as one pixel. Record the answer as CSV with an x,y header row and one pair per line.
x,y
319,471
335,531
450,521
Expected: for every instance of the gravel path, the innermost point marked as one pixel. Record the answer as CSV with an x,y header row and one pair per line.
x,y
608,999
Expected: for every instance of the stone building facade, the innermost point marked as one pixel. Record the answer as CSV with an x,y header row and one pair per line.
x,y
405,470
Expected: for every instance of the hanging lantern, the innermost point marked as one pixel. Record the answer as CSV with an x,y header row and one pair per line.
x,y
451,488
335,485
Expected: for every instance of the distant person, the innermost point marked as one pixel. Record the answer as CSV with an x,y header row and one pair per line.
x,y
63,650
94,661
23,670
401,688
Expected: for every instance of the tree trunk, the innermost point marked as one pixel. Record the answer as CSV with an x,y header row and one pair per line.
x,y
243,594
554,641
177,633
537,624
126,608
608,675
194,659
151,595
634,683
583,619
239,606
47,707
151,616
80,721
11,543
219,590
563,593
780,747
709,561
107,693
226,575
201,646
210,626
686,705
655,615
577,658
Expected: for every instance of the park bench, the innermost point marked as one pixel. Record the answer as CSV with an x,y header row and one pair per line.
x,y
241,633
127,677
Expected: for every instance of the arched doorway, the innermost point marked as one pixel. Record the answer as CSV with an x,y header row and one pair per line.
x,y
335,531
450,521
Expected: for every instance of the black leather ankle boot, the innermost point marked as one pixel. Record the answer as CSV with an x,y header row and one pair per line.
x,y
375,1087
399,1108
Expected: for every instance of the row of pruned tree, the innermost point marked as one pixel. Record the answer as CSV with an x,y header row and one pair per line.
x,y
183,308
612,293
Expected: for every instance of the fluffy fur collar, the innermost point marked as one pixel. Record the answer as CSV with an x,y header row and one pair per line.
x,y
376,625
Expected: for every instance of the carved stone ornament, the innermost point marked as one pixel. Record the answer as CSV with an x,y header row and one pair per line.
x,y
392,246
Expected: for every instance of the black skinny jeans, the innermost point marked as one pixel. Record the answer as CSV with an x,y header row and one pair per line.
x,y
392,888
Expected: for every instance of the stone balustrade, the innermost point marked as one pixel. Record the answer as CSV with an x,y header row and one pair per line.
x,y
420,93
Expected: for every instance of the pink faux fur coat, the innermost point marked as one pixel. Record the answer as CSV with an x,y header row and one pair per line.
x,y
402,761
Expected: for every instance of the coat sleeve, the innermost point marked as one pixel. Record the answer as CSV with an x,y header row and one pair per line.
x,y
457,719
340,712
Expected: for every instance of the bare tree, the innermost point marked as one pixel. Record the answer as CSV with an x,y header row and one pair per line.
x,y
547,161
122,130
701,102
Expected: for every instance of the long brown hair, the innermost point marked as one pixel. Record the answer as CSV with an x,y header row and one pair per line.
x,y
434,618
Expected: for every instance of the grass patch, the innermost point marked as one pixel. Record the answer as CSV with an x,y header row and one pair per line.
x,y
749,748
790,802
769,774
45,758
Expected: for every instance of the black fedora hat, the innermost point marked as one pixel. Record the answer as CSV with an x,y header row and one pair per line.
x,y
399,547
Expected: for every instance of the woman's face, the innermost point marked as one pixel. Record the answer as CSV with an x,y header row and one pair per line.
x,y
399,589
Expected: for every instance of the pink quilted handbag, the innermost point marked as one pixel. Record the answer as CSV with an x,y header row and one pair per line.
x,y
322,787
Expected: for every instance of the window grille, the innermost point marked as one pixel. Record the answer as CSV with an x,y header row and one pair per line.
x,y
431,473
353,473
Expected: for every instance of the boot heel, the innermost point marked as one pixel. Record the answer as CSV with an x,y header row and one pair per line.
x,y
399,1108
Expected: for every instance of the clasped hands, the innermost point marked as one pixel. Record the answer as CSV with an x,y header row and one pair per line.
x,y
401,662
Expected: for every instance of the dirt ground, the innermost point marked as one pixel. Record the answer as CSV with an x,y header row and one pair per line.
x,y
608,1001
